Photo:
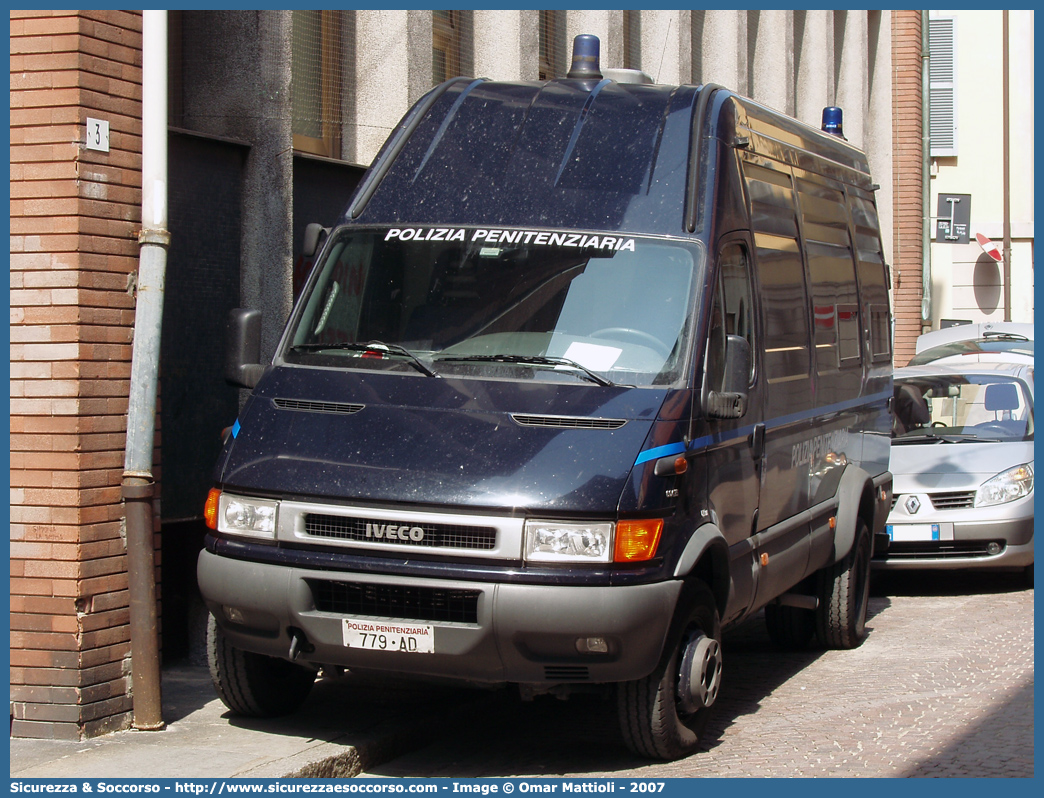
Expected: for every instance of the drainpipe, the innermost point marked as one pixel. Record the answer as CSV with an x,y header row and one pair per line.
x,y
926,179
138,483
1007,168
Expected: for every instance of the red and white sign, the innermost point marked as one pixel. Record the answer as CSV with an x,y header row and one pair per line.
x,y
989,247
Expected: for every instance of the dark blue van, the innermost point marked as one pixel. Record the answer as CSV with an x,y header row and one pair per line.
x,y
589,369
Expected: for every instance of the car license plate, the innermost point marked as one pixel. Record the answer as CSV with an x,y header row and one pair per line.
x,y
910,533
406,638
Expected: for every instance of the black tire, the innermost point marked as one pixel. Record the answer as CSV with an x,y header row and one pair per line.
x,y
1027,575
253,684
790,627
654,720
844,592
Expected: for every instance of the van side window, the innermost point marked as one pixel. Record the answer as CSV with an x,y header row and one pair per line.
x,y
732,313
872,274
781,273
828,247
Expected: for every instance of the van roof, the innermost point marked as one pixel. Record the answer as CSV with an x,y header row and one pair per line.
x,y
580,154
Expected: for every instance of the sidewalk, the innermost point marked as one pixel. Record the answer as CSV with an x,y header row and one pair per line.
x,y
346,725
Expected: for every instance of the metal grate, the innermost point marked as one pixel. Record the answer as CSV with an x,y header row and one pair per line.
x,y
568,422
953,501
566,673
936,550
553,55
454,536
396,601
321,45
317,407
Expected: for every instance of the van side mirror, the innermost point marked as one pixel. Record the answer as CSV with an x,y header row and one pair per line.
x,y
242,358
313,235
731,401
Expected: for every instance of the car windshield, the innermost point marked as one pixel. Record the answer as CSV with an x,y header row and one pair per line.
x,y
513,304
962,408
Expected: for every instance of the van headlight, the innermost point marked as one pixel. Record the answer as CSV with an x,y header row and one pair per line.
x,y
1007,486
567,541
256,518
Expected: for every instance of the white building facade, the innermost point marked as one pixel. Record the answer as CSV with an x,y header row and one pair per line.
x,y
967,162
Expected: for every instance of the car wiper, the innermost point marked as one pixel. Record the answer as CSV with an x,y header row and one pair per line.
x,y
921,437
530,360
1003,336
948,437
372,346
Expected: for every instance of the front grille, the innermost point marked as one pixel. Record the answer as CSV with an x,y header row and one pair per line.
x,y
936,550
456,536
317,407
568,422
953,501
957,500
566,673
396,601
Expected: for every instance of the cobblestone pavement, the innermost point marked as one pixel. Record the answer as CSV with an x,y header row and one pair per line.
x,y
943,686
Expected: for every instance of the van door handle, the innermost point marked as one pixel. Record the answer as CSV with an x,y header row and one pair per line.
x,y
757,442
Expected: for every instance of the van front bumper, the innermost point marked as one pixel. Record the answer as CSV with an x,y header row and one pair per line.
x,y
512,633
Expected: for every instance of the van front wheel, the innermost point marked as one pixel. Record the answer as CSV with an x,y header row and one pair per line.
x,y
844,592
253,684
663,716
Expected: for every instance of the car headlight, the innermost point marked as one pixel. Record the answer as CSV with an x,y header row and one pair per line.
x,y
1007,486
561,541
238,515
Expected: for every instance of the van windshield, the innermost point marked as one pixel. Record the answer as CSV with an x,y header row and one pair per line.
x,y
511,304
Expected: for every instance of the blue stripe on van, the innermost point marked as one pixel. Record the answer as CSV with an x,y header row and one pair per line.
x,y
770,424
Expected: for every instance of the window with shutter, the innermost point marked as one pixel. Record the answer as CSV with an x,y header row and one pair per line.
x,y
316,79
942,86
446,30
552,45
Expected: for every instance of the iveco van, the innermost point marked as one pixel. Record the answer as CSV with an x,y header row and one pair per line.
x,y
589,369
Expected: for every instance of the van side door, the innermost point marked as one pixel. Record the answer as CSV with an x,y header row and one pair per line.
x,y
733,447
782,540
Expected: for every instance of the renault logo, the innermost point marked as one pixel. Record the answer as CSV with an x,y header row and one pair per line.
x,y
913,504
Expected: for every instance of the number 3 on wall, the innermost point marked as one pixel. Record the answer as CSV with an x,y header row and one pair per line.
x,y
97,134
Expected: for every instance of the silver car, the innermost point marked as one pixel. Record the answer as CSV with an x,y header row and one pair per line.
x,y
962,461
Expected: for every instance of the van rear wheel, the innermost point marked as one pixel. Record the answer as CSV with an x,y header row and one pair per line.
x,y
253,684
844,593
663,716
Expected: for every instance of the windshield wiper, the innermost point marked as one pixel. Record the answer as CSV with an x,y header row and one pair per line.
x,y
372,346
531,360
934,437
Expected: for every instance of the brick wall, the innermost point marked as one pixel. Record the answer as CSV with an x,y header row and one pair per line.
x,y
74,220
908,177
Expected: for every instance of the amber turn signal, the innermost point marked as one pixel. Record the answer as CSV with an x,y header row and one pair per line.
x,y
210,509
637,540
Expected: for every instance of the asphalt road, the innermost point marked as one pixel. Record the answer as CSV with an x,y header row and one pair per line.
x,y
942,687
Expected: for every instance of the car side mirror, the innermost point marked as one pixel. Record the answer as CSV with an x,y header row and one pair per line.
x,y
243,355
731,401
313,235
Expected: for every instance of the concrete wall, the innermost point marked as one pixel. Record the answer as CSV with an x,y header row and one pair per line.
x,y
794,61
236,84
